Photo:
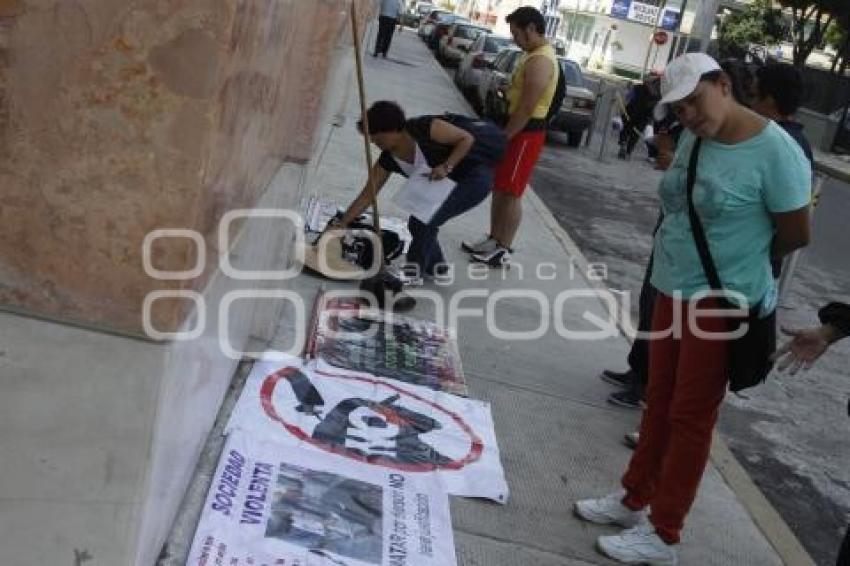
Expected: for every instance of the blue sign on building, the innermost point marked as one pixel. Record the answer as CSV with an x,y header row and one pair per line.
x,y
671,20
620,9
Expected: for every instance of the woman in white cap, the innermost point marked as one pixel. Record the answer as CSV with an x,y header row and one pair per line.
x,y
751,195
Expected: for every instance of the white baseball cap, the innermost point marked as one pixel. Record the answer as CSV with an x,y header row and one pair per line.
x,y
681,78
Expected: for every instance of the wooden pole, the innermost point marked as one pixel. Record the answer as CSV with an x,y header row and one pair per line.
x,y
367,140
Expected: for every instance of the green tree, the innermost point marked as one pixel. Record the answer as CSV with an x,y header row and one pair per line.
x,y
837,36
810,20
757,24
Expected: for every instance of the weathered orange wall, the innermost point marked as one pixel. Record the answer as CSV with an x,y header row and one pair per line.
x,y
120,117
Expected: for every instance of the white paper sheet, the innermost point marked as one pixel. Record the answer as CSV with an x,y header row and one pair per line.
x,y
421,197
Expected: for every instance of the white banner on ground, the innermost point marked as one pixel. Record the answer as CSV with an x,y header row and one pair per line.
x,y
377,423
270,505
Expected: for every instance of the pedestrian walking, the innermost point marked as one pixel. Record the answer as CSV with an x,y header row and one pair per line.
x,y
533,86
804,349
637,114
387,20
736,194
464,151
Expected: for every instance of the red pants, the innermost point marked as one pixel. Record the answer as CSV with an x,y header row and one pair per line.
x,y
687,382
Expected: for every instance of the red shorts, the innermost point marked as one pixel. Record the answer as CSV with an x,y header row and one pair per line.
x,y
514,171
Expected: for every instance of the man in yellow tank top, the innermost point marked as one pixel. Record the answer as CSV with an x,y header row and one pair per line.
x,y
530,94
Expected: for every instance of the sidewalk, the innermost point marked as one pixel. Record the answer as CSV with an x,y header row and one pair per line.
x,y
559,440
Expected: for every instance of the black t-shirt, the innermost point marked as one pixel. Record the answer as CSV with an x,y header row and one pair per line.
x,y
435,153
795,130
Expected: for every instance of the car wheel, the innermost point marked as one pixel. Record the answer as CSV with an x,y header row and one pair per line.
x,y
488,106
574,138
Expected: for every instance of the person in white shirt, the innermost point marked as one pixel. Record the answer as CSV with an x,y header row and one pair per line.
x,y
388,19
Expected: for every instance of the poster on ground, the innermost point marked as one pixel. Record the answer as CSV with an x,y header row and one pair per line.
x,y
374,423
270,505
347,336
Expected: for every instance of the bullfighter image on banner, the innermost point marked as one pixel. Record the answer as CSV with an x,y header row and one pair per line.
x,y
270,505
375,423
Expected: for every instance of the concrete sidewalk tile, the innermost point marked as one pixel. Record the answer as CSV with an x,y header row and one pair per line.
x,y
556,452
475,550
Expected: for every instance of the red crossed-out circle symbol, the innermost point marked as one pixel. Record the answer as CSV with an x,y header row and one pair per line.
x,y
476,446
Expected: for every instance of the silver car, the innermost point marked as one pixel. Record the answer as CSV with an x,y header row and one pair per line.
x,y
455,44
472,67
426,25
576,113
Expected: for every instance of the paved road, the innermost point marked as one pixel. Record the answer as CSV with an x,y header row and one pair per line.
x,y
792,435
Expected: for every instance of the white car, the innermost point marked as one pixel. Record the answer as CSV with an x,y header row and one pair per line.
x,y
471,68
455,44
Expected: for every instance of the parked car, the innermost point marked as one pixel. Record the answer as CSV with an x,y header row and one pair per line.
x,y
442,28
576,113
455,44
426,25
413,16
474,64
494,83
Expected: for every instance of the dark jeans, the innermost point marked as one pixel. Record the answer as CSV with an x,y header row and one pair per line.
x,y
639,354
386,29
631,133
471,190
844,553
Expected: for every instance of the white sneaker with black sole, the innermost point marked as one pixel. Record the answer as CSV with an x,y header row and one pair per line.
x,y
408,274
609,510
481,246
638,545
499,256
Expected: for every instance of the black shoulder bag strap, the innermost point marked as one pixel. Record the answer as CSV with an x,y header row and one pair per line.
x,y
696,225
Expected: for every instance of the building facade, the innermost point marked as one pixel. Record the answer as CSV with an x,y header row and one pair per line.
x,y
625,37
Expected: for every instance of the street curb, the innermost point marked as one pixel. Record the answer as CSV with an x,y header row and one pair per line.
x,y
764,515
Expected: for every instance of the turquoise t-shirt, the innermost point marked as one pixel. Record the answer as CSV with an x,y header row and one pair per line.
x,y
737,188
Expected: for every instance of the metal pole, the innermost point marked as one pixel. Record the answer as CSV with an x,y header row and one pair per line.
x,y
652,37
607,124
840,130
572,29
367,140
704,18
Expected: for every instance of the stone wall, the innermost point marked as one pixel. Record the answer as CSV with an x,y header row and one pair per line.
x,y
120,117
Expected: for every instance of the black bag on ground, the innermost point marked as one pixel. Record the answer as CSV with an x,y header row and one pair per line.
x,y
750,355
359,248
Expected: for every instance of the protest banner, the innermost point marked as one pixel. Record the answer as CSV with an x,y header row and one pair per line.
x,y
270,505
375,422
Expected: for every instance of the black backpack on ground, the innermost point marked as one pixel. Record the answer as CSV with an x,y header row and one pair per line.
x,y
559,96
359,249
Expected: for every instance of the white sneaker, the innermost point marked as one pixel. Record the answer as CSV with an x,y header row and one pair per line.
x,y
487,244
499,256
631,439
609,510
408,274
638,545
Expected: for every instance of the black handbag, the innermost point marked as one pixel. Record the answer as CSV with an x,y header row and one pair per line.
x,y
750,355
